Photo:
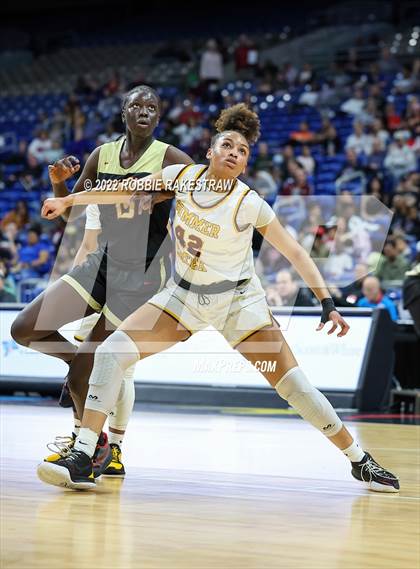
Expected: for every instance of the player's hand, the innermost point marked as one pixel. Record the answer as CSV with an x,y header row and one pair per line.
x,y
338,321
63,169
53,207
145,201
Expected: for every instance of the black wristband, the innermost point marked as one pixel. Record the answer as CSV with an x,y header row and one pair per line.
x,y
327,307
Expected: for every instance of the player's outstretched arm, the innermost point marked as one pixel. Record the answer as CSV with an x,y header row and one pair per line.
x,y
281,240
63,169
121,192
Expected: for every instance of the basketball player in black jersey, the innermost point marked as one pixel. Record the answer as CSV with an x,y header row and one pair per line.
x,y
132,260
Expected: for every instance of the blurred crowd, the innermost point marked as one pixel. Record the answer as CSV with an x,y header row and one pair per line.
x,y
364,233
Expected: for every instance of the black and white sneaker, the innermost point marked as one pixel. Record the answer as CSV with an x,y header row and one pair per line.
x,y
377,478
73,471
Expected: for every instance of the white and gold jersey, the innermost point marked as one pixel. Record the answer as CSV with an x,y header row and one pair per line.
x,y
213,228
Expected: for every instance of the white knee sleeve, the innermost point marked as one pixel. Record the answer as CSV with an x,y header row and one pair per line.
x,y
310,403
112,358
120,415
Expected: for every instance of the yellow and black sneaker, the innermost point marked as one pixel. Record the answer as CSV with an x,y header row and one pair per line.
x,y
115,467
60,448
74,471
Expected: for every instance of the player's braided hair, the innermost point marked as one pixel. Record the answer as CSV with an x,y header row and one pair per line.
x,y
238,118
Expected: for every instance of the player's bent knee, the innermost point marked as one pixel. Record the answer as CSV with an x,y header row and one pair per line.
x,y
115,355
112,358
309,402
21,331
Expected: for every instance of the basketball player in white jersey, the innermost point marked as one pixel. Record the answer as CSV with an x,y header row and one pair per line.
x,y
214,284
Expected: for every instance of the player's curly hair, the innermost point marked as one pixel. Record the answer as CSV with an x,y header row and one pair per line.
x,y
238,118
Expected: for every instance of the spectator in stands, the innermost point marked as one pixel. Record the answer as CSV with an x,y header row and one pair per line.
x,y
314,219
265,184
199,146
352,170
411,223
302,136
392,118
355,105
8,244
189,133
290,73
328,137
411,291
268,262
306,74
241,57
406,81
379,132
33,257
327,96
372,210
341,259
6,295
113,85
78,124
409,185
297,184
54,153
412,114
109,135
263,159
353,63
350,225
399,210
315,215
211,64
94,126
283,159
86,87
376,94
38,147
360,142
392,265
402,246
252,58
375,160
17,156
387,62
307,161
319,250
187,112
286,291
400,158
350,294
9,283
18,215
310,96
108,107
374,297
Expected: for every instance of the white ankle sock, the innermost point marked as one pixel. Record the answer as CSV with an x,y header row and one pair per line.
x,y
77,425
354,452
115,438
86,441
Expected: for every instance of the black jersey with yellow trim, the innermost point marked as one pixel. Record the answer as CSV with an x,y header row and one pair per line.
x,y
131,237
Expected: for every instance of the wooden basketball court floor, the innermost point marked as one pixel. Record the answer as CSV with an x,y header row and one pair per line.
x,y
210,491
